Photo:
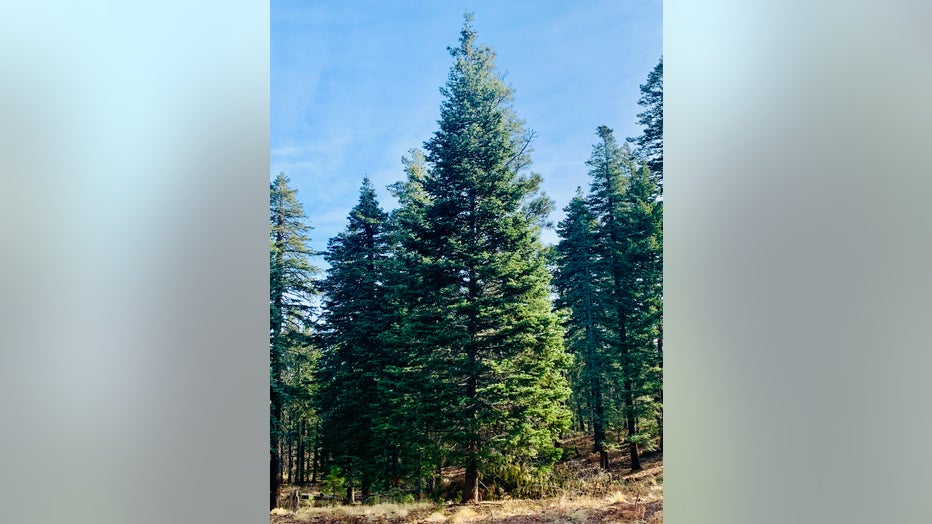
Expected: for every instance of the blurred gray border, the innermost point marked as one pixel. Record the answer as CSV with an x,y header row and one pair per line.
x,y
797,252
133,213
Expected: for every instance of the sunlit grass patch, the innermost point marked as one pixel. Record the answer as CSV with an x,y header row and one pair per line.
x,y
369,512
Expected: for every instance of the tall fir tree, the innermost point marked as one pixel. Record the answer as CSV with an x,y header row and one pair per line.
x,y
291,288
421,450
643,278
610,167
351,398
650,149
650,142
486,348
625,202
577,281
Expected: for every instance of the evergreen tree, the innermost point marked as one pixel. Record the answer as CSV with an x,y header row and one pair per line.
x,y
291,289
643,253
624,200
650,148
351,400
650,142
421,450
489,352
576,281
299,415
609,169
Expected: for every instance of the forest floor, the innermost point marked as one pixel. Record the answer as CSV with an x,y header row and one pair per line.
x,y
587,495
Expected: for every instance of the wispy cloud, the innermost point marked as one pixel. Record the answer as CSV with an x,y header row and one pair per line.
x,y
355,86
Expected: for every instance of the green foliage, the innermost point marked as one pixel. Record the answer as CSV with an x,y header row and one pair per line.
x,y
577,282
334,483
291,283
291,273
291,288
650,142
624,202
484,350
609,278
352,400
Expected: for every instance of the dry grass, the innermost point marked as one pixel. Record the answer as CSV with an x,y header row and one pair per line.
x,y
641,504
464,514
363,513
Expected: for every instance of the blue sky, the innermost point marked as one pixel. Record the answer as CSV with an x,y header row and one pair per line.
x,y
355,85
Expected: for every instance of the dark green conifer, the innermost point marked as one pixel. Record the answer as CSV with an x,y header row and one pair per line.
x,y
490,359
351,400
624,203
291,288
577,284
650,142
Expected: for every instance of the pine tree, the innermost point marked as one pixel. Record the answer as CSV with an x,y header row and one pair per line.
x,y
609,168
421,452
643,252
576,281
489,352
650,149
291,289
299,415
650,142
624,200
351,400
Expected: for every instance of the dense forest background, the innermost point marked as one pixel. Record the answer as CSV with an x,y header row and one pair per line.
x,y
444,334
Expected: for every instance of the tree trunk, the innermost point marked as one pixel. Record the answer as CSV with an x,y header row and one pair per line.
x,y
598,427
395,466
309,459
437,478
290,438
660,393
273,476
631,425
275,479
471,483
281,463
307,453
300,475
366,487
316,459
630,419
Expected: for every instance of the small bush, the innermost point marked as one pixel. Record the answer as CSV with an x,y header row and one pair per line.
x,y
333,483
